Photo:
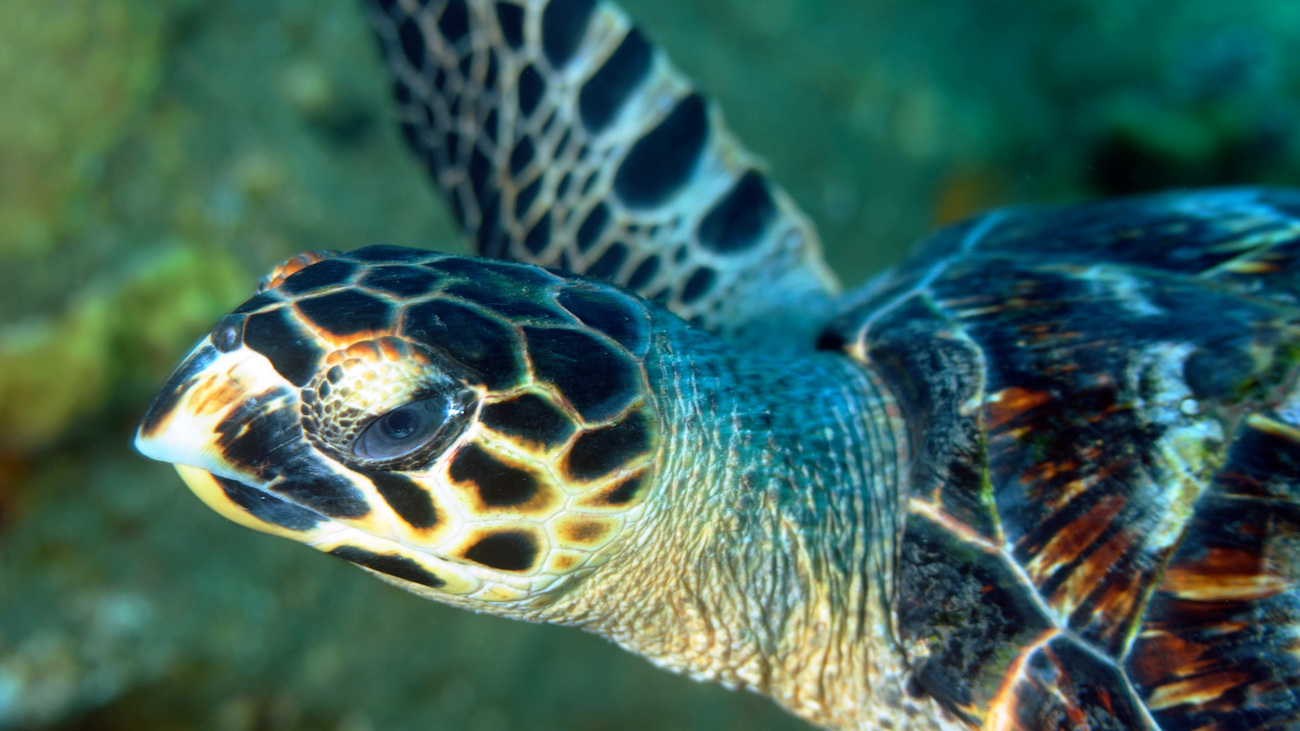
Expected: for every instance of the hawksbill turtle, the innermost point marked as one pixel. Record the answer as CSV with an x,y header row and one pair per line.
x,y
1042,474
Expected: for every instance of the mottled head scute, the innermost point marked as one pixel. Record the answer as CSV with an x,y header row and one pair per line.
x,y
492,465
385,392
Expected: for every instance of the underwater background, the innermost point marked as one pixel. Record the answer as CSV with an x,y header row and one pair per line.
x,y
156,158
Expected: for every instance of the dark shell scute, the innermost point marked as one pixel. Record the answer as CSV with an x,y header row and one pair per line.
x,y
1075,362
400,281
506,551
280,337
601,451
498,484
569,360
263,301
408,500
397,566
328,273
485,345
1218,372
1219,624
610,312
932,383
512,277
529,417
348,312
387,253
1191,233
1107,391
511,307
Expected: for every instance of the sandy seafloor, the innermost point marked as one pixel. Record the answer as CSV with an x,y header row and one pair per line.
x,y
157,157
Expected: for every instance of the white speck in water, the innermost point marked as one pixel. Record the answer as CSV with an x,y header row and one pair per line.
x,y
1190,407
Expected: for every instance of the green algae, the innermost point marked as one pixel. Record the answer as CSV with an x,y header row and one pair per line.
x,y
57,373
75,75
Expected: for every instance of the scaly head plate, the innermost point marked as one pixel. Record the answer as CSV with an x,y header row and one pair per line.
x,y
474,431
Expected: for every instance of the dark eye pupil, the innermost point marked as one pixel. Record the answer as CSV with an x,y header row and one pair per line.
x,y
399,424
404,429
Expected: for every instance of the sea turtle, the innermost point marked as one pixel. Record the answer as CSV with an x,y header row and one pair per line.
x,y
1043,474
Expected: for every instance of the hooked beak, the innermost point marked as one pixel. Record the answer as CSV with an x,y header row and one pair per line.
x,y
231,425
197,422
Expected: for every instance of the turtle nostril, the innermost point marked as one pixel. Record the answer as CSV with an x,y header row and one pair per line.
x,y
228,333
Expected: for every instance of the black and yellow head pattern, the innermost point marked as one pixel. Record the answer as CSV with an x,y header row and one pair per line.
x,y
475,431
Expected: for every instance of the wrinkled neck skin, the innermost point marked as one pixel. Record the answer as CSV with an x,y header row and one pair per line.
x,y
766,559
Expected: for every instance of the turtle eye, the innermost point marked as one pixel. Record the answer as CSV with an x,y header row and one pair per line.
x,y
404,429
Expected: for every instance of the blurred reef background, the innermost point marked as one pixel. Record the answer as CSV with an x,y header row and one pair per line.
x,y
156,158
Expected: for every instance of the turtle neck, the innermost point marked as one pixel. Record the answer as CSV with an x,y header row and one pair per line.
x,y
764,559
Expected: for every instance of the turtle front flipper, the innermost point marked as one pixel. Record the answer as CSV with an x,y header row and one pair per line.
x,y
563,137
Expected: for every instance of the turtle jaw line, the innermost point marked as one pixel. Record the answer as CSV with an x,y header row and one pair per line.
x,y
427,574
183,427
387,558
214,490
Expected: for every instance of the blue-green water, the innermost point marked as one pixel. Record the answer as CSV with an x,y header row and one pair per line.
x,y
157,157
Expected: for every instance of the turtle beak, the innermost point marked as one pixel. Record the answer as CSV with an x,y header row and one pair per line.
x,y
231,425
220,419
171,430
210,394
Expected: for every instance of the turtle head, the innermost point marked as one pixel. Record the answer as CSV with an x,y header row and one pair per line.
x,y
478,432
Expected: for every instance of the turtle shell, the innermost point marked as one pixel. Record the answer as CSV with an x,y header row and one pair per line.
x,y
1103,527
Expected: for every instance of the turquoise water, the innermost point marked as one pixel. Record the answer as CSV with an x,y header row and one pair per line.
x,y
157,157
